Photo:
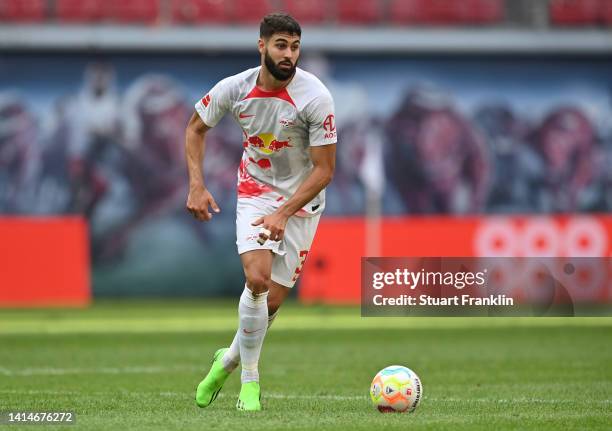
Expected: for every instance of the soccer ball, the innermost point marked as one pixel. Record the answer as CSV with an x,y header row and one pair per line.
x,y
396,389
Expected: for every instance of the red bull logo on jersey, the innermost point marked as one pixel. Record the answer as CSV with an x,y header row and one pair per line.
x,y
267,143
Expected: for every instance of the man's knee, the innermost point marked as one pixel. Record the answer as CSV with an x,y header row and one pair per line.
x,y
258,282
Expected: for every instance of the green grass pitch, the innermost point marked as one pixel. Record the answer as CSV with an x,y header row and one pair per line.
x,y
135,365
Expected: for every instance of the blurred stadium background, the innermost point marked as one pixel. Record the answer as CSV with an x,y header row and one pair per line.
x,y
466,128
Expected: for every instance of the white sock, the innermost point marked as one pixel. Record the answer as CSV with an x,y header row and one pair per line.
x,y
253,315
231,359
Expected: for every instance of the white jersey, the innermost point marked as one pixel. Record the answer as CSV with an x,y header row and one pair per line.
x,y
278,129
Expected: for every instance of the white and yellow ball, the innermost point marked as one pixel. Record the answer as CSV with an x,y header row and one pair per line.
x,y
396,389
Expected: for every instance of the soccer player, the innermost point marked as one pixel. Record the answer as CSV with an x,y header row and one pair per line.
x,y
287,118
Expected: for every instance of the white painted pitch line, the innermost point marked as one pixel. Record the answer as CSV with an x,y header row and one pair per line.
x,y
435,399
173,394
303,396
47,371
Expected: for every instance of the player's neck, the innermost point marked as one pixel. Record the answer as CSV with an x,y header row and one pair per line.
x,y
267,82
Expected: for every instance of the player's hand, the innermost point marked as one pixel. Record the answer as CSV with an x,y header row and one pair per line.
x,y
275,223
198,201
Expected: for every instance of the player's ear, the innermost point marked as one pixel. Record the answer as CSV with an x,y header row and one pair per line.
x,y
261,44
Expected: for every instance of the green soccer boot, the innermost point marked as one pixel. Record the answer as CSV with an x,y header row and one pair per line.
x,y
209,388
250,397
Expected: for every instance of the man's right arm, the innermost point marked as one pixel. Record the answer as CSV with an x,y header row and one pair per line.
x,y
199,198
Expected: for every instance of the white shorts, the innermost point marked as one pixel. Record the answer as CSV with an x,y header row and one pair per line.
x,y
289,253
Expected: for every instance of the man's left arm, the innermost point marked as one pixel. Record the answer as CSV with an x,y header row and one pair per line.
x,y
324,161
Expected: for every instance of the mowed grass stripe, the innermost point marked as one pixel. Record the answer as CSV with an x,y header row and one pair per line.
x,y
305,397
153,316
69,323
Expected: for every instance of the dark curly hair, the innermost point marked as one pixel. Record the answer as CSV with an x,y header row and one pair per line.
x,y
278,23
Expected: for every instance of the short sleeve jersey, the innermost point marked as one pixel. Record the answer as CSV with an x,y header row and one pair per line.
x,y
278,129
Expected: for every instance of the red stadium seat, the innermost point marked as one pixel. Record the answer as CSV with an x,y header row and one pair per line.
x,y
196,11
446,12
22,10
133,11
359,11
606,12
79,10
251,11
487,11
307,12
575,12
